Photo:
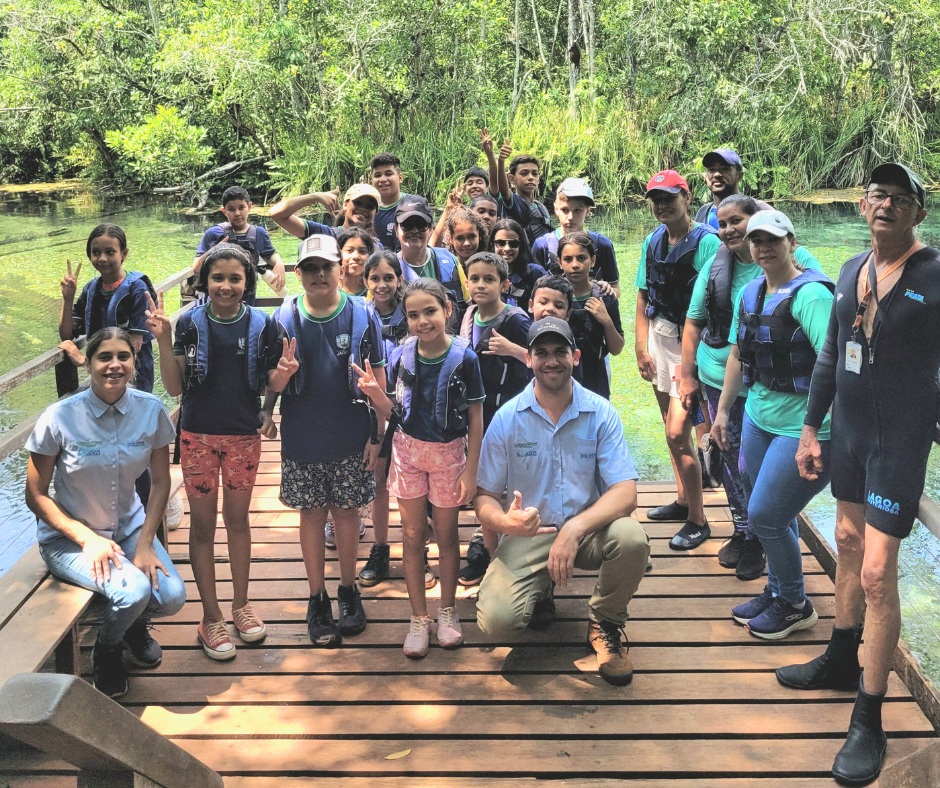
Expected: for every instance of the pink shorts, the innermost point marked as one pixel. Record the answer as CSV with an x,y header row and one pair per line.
x,y
420,469
203,456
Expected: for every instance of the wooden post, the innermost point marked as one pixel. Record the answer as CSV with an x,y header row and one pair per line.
x,y
68,654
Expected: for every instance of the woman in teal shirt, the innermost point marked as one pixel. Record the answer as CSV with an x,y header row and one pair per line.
x,y
779,324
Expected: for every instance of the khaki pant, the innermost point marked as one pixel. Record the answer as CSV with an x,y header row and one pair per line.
x,y
518,576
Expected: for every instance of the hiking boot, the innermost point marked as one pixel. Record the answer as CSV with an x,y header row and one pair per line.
x,y
613,660
109,671
836,669
429,578
323,630
419,637
730,552
690,536
752,562
754,607
215,640
544,614
478,560
376,568
671,511
142,649
781,618
860,760
248,625
352,618
449,634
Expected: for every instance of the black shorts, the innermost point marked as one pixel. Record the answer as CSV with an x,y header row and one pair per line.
x,y
344,483
887,478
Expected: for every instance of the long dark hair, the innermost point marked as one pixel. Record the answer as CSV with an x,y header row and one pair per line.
x,y
226,252
425,284
109,231
524,258
392,261
359,233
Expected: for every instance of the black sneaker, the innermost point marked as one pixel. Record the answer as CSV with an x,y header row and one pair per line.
x,y
671,511
781,618
730,552
109,671
142,649
429,578
376,568
478,560
752,561
690,536
322,628
352,618
753,607
544,614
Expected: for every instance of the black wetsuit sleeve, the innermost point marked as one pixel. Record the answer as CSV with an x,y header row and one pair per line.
x,y
822,389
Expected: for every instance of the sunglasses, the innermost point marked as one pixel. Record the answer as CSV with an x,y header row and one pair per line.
x,y
512,244
419,227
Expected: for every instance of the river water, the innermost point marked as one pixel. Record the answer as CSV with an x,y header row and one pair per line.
x,y
40,229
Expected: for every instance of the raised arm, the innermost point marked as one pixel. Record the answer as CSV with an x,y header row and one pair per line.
x,y
283,212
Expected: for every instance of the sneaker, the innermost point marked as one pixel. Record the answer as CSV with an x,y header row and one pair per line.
x,y
419,637
730,552
174,512
613,661
781,618
376,568
362,528
110,674
544,614
215,640
671,511
753,607
449,634
478,560
142,649
429,578
752,561
690,536
321,627
329,533
248,625
352,618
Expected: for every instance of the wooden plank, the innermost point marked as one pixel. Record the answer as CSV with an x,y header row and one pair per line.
x,y
513,782
19,582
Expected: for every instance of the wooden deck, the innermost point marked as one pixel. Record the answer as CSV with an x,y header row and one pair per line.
x,y
704,708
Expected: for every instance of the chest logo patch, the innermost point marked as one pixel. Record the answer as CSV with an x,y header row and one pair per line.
x,y
527,449
914,296
342,343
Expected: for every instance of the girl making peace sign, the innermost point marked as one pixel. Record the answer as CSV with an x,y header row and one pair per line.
x,y
224,356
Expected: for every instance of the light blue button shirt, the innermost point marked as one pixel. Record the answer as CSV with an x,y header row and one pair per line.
x,y
561,469
100,451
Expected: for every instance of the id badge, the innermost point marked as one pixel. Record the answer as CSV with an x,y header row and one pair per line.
x,y
853,357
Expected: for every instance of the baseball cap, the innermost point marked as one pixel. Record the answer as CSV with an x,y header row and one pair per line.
x,y
667,181
362,190
323,247
899,175
414,206
576,187
773,222
726,155
550,326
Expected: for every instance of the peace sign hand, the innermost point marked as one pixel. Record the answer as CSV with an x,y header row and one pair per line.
x,y
454,199
69,283
157,319
367,382
288,363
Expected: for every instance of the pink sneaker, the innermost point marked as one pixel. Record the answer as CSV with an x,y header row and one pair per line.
x,y
449,634
216,640
249,626
419,636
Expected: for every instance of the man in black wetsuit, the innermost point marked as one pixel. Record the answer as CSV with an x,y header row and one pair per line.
x,y
878,372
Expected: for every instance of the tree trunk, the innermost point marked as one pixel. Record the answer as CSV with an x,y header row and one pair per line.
x,y
516,91
296,97
154,20
574,55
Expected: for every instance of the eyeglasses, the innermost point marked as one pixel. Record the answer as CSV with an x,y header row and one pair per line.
x,y
512,244
902,201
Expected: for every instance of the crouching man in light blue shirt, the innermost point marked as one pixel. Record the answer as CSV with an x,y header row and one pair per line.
x,y
560,452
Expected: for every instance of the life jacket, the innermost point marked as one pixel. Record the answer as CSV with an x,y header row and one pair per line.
x,y
589,334
122,290
450,407
199,353
394,330
288,317
448,272
774,349
670,276
551,248
719,311
522,285
249,242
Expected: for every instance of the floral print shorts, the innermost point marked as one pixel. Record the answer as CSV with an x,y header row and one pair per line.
x,y
316,485
202,457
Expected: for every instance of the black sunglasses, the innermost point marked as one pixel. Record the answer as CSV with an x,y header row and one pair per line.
x,y
512,244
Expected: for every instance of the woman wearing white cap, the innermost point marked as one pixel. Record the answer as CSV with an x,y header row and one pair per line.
x,y
780,325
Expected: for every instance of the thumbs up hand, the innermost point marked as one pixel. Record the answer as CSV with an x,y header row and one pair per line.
x,y
524,521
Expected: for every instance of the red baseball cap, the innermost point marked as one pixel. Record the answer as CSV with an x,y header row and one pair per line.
x,y
667,181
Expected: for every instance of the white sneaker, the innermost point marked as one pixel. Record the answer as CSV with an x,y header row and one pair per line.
x,y
419,637
449,634
329,532
174,512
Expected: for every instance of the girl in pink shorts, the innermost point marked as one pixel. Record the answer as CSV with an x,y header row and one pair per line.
x,y
224,355
436,428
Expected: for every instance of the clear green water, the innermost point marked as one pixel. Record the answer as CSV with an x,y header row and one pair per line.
x,y
39,231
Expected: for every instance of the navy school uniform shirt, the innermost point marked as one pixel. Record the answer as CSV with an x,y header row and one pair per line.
x,y
532,215
421,423
522,285
385,225
592,342
495,369
223,404
130,316
322,423
214,235
545,252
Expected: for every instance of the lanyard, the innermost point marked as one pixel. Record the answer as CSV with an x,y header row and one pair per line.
x,y
871,284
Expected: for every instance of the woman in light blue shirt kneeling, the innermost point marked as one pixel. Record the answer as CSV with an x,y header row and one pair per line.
x,y
93,530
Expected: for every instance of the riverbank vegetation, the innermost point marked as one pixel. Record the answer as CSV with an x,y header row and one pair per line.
x,y
163,94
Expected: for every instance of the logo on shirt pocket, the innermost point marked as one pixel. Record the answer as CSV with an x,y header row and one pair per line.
x,y
136,444
527,449
88,448
342,343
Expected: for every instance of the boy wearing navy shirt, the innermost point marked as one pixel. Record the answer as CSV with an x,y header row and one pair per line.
x,y
522,205
386,178
360,204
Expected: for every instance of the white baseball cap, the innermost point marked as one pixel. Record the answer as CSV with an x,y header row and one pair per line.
x,y
773,222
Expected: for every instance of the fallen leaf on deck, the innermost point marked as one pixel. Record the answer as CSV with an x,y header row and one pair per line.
x,y
396,755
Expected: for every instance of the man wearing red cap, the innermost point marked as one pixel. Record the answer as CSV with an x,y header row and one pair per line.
x,y
672,256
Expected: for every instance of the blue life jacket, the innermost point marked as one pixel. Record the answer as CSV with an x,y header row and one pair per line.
x,y
288,317
450,399
249,242
774,349
393,331
670,276
199,353
551,257
123,290
445,271
719,311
